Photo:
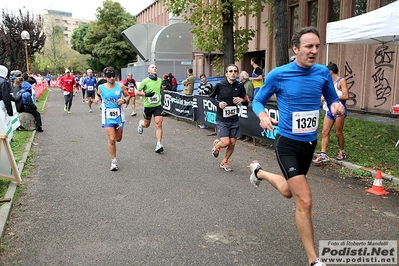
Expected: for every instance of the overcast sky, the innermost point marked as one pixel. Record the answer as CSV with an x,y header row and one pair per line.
x,y
82,9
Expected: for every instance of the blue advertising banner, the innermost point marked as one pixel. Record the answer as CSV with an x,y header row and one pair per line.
x,y
199,108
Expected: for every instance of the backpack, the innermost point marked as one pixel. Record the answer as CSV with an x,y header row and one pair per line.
x,y
18,101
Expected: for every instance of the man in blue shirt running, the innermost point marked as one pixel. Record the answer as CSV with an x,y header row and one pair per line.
x,y
298,87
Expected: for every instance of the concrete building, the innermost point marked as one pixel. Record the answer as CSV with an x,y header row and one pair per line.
x,y
65,20
357,63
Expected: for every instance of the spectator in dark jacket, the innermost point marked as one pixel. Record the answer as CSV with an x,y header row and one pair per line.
x,y
29,106
5,90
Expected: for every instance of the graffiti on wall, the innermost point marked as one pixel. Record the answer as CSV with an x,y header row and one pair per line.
x,y
382,60
350,80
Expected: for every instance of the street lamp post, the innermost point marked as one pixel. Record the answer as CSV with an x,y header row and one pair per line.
x,y
25,37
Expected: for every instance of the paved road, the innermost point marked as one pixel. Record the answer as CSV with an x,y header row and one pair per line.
x,y
175,208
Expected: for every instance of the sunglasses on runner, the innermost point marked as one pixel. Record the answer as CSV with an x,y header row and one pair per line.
x,y
110,74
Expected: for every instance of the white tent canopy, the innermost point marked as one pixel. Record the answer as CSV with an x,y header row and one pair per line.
x,y
374,27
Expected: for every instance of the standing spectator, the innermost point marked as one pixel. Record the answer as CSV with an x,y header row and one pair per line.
x,y
130,83
227,96
150,88
5,90
173,82
204,88
341,88
296,139
48,79
113,95
189,83
249,87
90,83
67,84
166,82
257,78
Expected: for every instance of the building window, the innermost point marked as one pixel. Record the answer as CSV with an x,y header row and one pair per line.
x,y
386,2
294,18
334,10
360,7
313,9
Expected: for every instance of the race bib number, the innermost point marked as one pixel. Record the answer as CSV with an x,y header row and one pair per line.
x,y
230,111
130,89
153,99
304,122
90,88
66,92
113,112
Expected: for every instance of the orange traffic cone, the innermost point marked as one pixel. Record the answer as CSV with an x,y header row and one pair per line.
x,y
377,188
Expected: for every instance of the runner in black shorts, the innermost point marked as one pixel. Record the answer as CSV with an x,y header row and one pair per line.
x,y
228,95
298,87
150,88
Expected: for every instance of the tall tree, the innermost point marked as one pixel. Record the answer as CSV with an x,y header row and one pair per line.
x,y
12,47
212,19
103,39
280,31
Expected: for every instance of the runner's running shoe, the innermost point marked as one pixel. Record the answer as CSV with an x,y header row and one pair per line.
x,y
133,113
226,166
317,262
215,151
114,165
321,159
140,127
159,148
254,167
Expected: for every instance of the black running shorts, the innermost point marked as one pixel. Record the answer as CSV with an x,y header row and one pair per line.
x,y
294,157
150,111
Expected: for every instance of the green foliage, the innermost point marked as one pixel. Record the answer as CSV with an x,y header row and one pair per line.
x,y
103,39
213,19
57,55
367,143
77,39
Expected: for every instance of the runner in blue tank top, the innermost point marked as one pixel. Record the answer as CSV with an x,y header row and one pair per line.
x,y
113,95
298,87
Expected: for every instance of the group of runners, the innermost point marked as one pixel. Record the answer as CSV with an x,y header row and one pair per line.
x,y
299,87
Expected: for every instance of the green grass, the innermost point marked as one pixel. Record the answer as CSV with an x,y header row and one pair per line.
x,y
367,144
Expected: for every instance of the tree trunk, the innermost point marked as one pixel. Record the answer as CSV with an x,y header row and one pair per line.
x,y
281,32
228,34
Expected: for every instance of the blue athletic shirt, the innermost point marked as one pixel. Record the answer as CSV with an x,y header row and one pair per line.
x,y
112,113
89,83
298,91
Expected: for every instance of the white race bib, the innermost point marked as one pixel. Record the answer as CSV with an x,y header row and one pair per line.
x,y
304,122
113,113
230,111
90,88
130,89
66,92
153,99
